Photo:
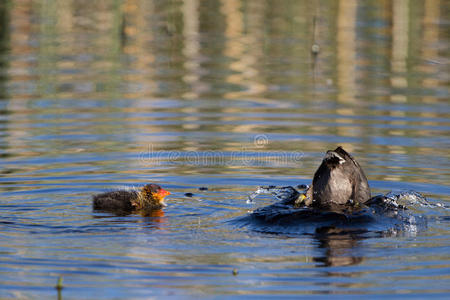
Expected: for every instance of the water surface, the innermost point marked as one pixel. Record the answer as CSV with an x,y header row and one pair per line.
x,y
96,95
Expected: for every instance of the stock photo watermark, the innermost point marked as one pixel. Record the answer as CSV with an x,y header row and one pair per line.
x,y
252,155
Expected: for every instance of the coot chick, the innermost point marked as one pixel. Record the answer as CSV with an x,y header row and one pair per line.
x,y
339,181
150,197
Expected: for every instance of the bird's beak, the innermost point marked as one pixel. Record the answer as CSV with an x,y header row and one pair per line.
x,y
302,198
160,196
163,193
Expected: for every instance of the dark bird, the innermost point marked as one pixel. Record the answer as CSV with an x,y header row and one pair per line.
x,y
338,181
150,197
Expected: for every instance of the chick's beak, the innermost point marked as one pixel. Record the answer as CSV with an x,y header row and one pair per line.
x,y
159,196
163,193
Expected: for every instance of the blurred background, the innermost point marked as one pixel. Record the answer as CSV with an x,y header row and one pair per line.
x,y
210,75
226,94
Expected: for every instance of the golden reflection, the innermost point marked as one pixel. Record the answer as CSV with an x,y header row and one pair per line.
x,y
21,77
20,71
147,49
394,149
346,50
400,41
234,45
191,51
134,41
346,68
398,131
244,49
191,122
430,39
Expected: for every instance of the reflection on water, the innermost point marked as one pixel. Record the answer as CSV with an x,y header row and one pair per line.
x,y
4,42
337,245
224,94
226,50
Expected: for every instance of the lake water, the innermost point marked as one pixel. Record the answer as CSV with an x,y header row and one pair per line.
x,y
95,95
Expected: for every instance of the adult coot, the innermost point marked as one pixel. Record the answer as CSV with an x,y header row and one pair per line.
x,y
339,181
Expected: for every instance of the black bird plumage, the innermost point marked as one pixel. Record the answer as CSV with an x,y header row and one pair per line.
x,y
338,181
115,200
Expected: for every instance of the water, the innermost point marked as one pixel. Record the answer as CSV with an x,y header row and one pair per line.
x,y
96,95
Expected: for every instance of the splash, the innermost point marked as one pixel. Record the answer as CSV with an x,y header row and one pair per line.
x,y
284,193
411,199
390,214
